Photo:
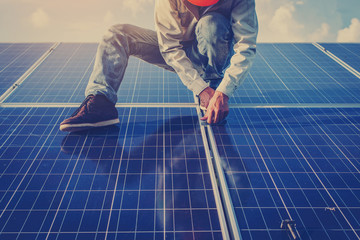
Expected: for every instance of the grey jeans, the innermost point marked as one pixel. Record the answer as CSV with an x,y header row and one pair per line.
x,y
209,57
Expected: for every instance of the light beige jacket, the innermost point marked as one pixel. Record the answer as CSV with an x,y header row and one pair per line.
x,y
175,22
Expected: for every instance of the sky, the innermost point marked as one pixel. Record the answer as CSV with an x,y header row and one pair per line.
x,y
87,20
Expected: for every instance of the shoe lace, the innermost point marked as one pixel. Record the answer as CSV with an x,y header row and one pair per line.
x,y
88,100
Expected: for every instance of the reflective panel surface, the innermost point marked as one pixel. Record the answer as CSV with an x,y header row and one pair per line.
x,y
300,164
146,178
63,77
16,58
348,52
296,73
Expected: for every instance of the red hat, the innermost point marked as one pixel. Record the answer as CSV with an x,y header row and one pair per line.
x,y
203,3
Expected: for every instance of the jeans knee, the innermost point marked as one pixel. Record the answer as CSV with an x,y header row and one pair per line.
x,y
116,31
117,38
213,27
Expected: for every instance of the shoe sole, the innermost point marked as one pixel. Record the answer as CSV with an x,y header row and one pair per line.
x,y
84,126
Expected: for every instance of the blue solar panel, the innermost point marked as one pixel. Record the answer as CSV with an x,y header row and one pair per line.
x,y
296,73
293,163
60,78
146,178
282,73
63,77
348,52
16,58
152,84
334,82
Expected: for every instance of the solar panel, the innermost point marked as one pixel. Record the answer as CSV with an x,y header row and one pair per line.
x,y
296,73
337,83
282,73
65,74
299,164
60,78
16,58
152,84
146,178
348,52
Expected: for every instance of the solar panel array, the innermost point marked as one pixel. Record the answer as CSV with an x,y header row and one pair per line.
x,y
15,59
297,73
296,163
63,77
144,179
152,175
348,52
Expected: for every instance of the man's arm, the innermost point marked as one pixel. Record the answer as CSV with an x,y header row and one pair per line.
x,y
170,34
245,28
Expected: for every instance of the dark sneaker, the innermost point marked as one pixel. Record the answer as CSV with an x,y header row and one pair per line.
x,y
95,111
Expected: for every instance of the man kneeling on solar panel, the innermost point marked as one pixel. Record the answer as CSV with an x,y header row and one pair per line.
x,y
210,44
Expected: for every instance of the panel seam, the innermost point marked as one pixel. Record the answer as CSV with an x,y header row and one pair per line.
x,y
214,181
28,73
226,211
337,59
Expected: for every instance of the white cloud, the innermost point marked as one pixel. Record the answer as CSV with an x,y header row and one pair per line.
x,y
283,26
298,20
138,6
351,33
39,18
320,34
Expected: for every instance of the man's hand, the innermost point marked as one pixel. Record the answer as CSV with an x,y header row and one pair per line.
x,y
205,97
217,109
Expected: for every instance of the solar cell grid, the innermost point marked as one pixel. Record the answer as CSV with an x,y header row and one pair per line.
x,y
262,86
296,73
62,77
16,58
65,74
348,52
10,52
332,80
154,85
282,73
289,159
145,178
4,46
148,177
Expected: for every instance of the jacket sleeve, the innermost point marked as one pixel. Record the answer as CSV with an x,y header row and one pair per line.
x,y
169,32
245,29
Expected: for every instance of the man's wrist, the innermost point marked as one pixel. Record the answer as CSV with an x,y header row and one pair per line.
x,y
222,95
207,90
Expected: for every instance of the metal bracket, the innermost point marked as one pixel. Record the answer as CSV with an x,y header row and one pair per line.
x,y
291,226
